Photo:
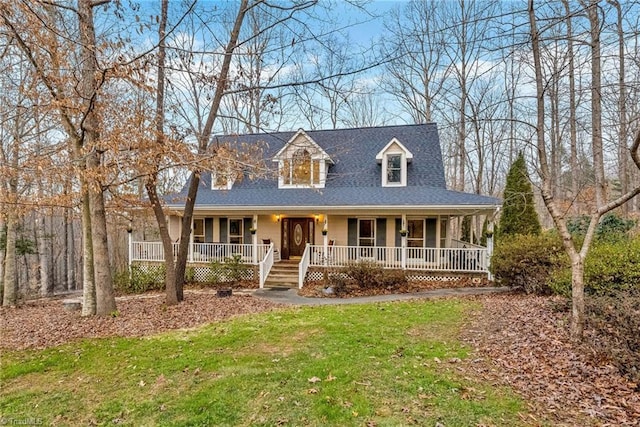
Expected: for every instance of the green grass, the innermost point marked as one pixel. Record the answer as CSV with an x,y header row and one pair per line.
x,y
377,364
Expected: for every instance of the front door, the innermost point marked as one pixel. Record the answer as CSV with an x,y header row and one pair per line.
x,y
296,233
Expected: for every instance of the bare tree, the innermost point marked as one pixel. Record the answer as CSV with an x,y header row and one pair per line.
x,y
577,254
416,47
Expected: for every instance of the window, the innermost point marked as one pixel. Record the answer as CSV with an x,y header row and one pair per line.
x,y
198,230
444,226
301,170
394,158
302,163
221,179
394,169
415,238
235,231
366,232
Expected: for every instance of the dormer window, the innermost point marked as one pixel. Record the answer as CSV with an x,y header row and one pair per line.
x,y
394,158
221,179
301,169
394,169
302,163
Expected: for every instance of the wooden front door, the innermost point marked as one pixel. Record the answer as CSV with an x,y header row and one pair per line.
x,y
296,233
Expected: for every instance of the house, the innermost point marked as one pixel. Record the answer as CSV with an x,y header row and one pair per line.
x,y
334,197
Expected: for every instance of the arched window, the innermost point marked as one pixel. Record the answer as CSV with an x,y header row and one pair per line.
x,y
301,167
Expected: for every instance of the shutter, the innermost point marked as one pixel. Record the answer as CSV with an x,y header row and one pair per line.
x,y
208,230
246,238
352,234
397,233
224,238
381,232
381,236
430,232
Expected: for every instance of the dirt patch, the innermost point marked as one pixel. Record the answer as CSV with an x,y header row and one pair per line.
x,y
45,323
523,342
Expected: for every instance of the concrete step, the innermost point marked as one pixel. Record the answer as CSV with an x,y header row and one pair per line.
x,y
281,284
283,274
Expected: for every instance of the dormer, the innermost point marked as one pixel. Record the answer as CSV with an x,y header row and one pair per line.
x,y
394,158
222,179
302,163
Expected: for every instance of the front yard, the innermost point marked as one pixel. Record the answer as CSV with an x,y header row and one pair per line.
x,y
449,361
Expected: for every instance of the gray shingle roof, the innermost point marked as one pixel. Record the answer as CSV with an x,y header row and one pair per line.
x,y
354,179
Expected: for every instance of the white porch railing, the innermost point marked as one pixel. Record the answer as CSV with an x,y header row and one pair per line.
x,y
200,252
468,260
304,265
265,265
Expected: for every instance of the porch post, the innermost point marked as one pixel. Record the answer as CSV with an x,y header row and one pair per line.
x,y
325,241
130,240
254,239
191,242
403,242
489,247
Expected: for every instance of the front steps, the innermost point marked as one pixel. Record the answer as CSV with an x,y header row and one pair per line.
x,y
283,274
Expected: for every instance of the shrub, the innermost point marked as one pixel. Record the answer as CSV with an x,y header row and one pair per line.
x,y
366,275
611,266
527,261
611,228
143,278
231,270
615,320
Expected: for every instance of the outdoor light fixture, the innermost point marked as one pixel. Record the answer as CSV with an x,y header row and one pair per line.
x,y
278,217
317,218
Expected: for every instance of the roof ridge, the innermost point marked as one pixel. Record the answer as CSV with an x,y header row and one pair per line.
x,y
325,130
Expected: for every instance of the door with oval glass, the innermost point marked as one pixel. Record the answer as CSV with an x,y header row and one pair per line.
x,y
296,233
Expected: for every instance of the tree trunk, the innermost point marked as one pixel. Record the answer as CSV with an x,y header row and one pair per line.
x,y
46,283
577,296
10,296
3,253
203,142
573,128
596,103
88,279
623,149
171,292
65,250
105,298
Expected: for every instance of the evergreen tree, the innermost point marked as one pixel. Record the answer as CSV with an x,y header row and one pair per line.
x,y
519,215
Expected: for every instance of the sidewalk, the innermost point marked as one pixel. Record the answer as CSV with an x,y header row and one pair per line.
x,y
290,296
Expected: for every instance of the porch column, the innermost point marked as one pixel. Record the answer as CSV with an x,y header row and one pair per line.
x,y
191,242
403,242
254,238
130,240
489,247
325,240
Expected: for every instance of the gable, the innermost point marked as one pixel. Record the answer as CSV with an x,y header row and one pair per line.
x,y
301,140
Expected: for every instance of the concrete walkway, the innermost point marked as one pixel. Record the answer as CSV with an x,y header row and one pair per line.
x,y
290,296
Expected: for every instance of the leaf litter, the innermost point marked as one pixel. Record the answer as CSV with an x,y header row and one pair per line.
x,y
45,323
523,341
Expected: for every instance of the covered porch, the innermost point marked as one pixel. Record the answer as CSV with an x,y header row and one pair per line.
x,y
414,241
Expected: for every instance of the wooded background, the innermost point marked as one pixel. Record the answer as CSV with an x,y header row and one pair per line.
x,y
81,123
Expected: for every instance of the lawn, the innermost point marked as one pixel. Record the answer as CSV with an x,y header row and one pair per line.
x,y
376,364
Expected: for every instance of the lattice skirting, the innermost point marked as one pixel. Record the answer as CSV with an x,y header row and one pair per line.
x,y
317,274
196,272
